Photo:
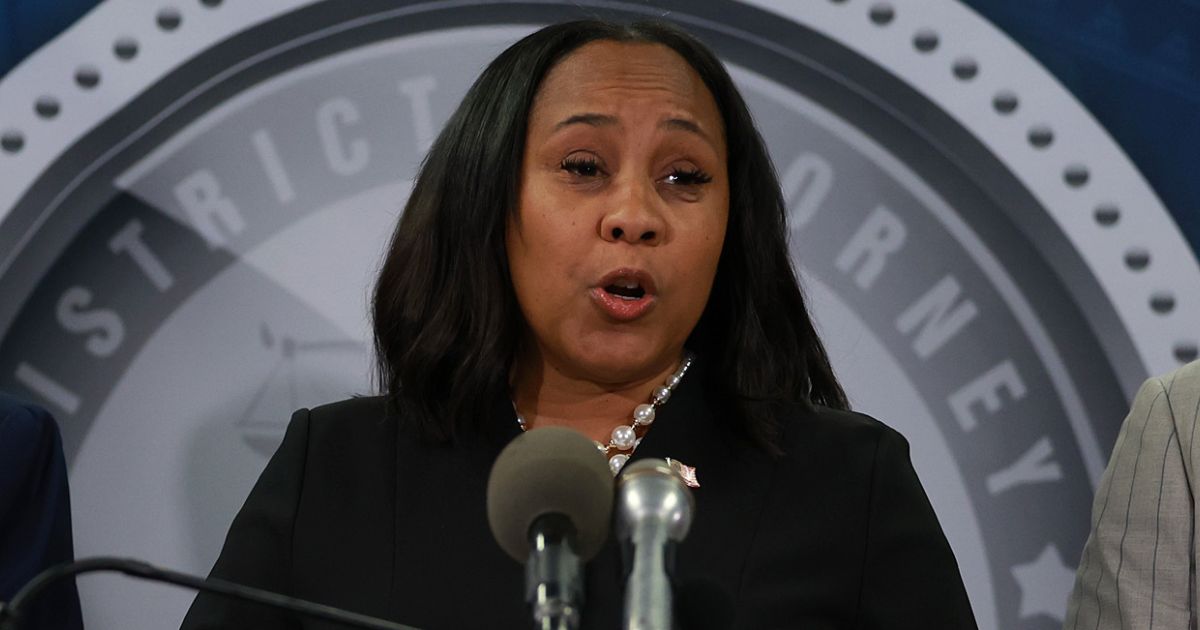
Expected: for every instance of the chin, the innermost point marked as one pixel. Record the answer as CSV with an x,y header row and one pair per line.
x,y
620,362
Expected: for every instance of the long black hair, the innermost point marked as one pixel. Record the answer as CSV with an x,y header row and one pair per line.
x,y
445,314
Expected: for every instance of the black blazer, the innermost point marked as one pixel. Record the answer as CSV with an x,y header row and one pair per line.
x,y
355,510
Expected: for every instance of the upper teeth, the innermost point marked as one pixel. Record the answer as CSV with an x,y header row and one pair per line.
x,y
626,284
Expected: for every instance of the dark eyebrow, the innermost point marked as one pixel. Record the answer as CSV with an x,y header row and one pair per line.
x,y
594,120
683,124
604,120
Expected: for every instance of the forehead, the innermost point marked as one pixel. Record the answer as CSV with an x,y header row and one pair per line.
x,y
630,76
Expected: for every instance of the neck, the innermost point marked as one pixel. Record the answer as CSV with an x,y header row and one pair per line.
x,y
548,396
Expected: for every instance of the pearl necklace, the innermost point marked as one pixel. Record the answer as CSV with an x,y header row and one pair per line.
x,y
626,438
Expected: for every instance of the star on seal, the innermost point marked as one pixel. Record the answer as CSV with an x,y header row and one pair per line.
x,y
1045,585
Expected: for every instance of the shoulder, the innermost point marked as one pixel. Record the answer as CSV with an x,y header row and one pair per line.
x,y
31,458
807,427
346,446
1169,401
1179,385
25,430
844,449
19,419
353,411
1166,407
354,423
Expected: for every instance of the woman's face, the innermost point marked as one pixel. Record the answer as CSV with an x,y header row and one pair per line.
x,y
624,198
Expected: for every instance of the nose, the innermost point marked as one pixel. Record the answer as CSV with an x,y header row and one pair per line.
x,y
634,216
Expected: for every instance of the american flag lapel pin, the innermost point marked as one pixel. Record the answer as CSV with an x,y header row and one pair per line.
x,y
685,472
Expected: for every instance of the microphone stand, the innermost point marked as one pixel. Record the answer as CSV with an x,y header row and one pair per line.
x,y
10,613
553,575
654,511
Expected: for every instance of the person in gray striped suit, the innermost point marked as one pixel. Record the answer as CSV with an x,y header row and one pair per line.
x,y
1138,566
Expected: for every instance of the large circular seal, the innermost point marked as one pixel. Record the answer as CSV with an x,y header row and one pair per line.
x,y
196,197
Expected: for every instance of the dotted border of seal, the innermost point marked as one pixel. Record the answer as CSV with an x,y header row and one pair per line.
x,y
1078,173
1047,139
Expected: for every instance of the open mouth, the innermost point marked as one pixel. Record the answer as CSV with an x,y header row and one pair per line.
x,y
626,290
625,294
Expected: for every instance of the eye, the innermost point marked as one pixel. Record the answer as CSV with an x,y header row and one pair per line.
x,y
684,177
581,166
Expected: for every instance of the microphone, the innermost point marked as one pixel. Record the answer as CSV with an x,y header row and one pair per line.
x,y
549,501
10,613
654,512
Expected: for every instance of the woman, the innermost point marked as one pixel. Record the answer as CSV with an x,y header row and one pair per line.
x,y
596,240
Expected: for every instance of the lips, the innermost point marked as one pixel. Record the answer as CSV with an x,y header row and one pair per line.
x,y
625,294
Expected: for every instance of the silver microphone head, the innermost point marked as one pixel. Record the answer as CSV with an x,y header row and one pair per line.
x,y
649,491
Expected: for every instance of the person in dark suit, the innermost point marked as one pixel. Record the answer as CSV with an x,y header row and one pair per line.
x,y
35,513
596,240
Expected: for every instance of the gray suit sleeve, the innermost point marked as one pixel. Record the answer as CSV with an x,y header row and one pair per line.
x,y
1138,565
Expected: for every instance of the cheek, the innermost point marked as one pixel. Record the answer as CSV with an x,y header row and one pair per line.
x,y
550,244
546,221
698,266
714,238
544,257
